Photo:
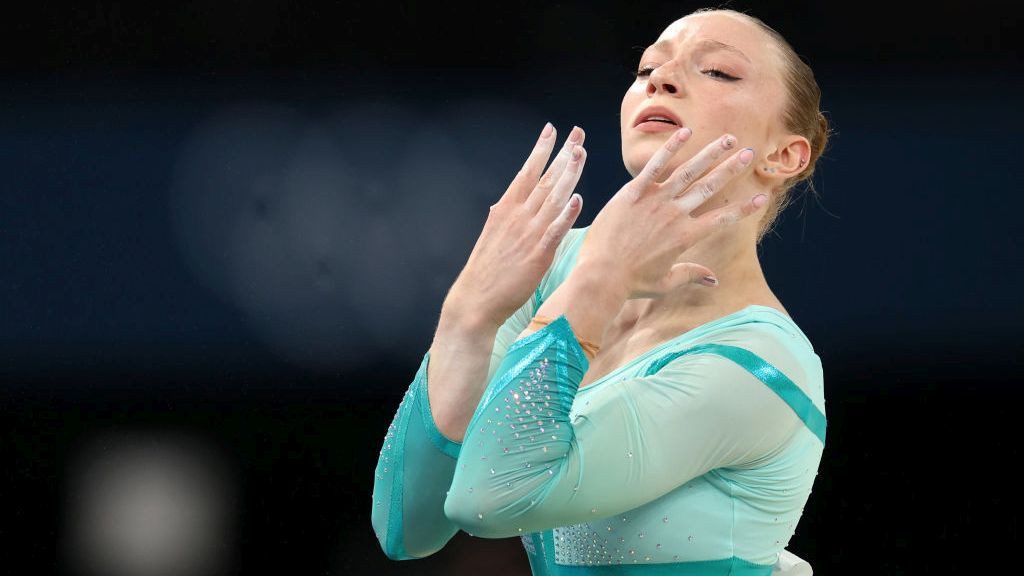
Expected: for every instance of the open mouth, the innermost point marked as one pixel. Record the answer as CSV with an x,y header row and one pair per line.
x,y
661,119
657,118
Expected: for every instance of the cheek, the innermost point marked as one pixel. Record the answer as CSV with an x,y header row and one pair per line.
x,y
631,101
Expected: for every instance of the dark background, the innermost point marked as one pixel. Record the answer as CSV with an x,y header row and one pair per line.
x,y
235,222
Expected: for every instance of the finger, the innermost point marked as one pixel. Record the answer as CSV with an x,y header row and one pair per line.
x,y
655,167
562,224
686,174
730,214
704,188
528,175
563,188
554,172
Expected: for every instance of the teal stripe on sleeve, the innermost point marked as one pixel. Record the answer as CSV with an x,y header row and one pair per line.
x,y
772,377
395,541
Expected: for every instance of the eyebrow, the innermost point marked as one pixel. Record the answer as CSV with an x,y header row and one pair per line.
x,y
705,45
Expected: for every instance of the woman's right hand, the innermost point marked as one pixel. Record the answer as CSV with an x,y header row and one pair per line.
x,y
520,236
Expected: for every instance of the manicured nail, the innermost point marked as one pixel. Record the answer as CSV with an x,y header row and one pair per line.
x,y
577,152
576,135
683,134
729,141
760,200
546,132
574,201
710,280
746,155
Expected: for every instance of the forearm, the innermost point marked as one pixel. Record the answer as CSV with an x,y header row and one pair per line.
x,y
460,356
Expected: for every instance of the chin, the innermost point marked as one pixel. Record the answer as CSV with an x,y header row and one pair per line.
x,y
637,156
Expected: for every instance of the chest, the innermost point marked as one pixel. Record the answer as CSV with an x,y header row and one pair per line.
x,y
612,358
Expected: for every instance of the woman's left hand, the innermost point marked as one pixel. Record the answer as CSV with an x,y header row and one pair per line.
x,y
639,234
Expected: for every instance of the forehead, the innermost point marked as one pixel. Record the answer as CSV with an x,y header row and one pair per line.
x,y
720,27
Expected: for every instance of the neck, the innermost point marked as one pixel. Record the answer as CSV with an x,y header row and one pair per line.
x,y
741,282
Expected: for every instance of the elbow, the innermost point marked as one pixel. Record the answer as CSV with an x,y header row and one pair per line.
x,y
469,515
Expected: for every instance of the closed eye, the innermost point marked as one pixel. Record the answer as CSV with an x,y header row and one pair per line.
x,y
720,75
712,72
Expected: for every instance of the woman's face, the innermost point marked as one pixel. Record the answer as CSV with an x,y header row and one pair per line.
x,y
712,72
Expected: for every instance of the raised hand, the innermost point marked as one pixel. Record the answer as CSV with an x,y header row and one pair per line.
x,y
520,236
638,236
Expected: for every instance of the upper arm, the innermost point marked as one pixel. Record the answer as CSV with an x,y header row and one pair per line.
x,y
657,432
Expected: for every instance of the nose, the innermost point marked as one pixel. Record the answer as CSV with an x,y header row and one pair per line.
x,y
662,79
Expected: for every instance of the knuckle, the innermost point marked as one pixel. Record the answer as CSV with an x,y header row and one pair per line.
x,y
725,219
687,175
705,190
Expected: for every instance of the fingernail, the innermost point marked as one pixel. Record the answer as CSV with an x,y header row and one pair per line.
x,y
746,155
546,132
574,201
576,135
710,280
577,152
683,134
760,200
729,141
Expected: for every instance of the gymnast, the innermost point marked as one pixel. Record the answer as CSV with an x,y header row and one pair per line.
x,y
629,397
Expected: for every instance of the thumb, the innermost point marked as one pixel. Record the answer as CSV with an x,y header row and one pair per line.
x,y
689,273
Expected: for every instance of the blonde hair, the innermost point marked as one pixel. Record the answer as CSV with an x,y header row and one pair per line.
x,y
802,115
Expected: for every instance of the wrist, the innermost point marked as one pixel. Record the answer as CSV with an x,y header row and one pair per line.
x,y
589,300
469,321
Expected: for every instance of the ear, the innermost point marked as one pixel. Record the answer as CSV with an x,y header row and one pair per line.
x,y
788,159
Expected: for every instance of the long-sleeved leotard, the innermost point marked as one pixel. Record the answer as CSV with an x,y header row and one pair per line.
x,y
694,458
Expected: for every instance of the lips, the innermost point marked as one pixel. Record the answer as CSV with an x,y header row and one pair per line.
x,y
658,114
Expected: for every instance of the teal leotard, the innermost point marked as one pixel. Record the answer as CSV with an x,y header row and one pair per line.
x,y
696,458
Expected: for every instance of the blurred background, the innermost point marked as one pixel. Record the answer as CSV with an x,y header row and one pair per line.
x,y
227,229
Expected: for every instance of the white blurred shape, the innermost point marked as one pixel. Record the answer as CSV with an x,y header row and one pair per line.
x,y
149,505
